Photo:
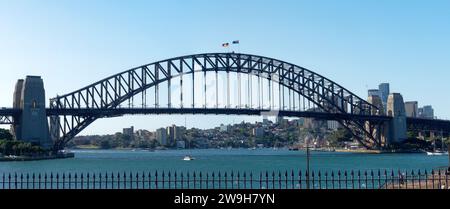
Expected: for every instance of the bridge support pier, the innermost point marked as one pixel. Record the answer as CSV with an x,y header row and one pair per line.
x,y
377,130
396,133
31,125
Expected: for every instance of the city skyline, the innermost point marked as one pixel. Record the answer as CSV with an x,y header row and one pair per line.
x,y
357,53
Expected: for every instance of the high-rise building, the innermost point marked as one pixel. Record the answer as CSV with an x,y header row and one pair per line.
x,y
282,121
412,109
161,136
174,133
426,112
224,128
332,125
376,101
373,92
279,119
384,93
129,132
258,132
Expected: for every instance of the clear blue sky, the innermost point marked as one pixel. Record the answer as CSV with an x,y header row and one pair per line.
x,y
357,43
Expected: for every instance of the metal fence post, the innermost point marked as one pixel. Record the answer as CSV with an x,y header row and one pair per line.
x,y
195,181
332,179
28,180
82,181
339,179
87,180
124,180
156,179
372,179
15,180
143,179
70,181
213,178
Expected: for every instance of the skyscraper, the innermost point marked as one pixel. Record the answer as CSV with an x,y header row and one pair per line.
x,y
373,92
129,132
426,112
384,93
161,136
174,133
412,109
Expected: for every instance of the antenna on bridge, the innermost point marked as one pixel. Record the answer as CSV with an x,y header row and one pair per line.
x,y
237,42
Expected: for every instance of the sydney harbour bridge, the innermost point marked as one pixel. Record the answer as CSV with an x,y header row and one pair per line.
x,y
212,83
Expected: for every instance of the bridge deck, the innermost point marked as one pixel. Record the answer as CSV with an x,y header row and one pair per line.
x,y
9,111
217,111
420,123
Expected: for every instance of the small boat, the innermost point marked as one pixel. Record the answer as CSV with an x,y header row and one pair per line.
x,y
437,153
188,158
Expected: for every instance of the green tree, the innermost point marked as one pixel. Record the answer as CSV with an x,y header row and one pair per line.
x,y
5,134
338,137
104,144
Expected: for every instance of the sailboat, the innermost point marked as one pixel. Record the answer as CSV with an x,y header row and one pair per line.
x,y
438,152
189,156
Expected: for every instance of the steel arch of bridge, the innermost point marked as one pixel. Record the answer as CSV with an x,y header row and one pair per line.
x,y
6,120
109,93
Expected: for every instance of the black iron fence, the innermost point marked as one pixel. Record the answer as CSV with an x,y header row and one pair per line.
x,y
380,179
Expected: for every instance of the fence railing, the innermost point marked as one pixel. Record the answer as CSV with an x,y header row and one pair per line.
x,y
379,179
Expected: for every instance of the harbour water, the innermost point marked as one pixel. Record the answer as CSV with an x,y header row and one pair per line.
x,y
214,160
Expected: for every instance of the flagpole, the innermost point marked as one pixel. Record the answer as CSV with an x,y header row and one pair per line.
x,y
236,42
239,47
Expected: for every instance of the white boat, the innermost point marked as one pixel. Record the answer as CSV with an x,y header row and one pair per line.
x,y
188,158
437,153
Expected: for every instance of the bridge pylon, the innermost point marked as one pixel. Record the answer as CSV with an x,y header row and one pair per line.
x,y
377,130
31,124
397,126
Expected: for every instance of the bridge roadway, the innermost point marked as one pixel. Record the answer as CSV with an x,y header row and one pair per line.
x,y
419,123
115,112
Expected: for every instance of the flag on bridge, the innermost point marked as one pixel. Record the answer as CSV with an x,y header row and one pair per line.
x,y
236,42
225,44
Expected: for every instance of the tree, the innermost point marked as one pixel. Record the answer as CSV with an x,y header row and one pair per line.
x,y
412,134
104,144
5,134
338,137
